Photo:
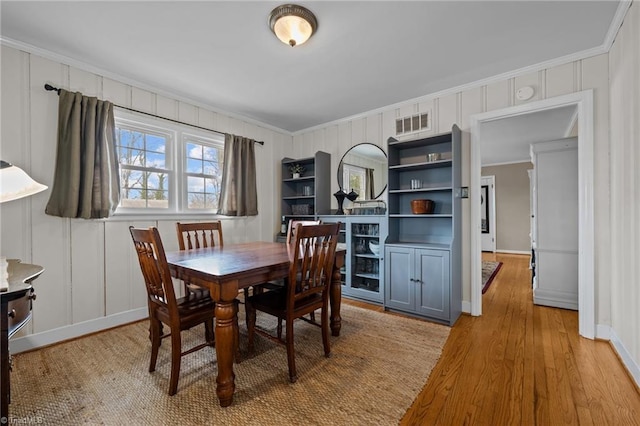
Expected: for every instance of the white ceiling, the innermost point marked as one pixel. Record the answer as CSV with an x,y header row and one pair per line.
x,y
364,56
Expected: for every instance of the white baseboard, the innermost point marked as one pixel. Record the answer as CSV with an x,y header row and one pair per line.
x,y
632,366
603,332
466,307
526,252
45,338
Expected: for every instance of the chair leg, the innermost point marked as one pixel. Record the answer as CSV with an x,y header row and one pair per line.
x,y
154,336
279,329
324,323
236,330
251,324
291,359
312,316
176,348
209,334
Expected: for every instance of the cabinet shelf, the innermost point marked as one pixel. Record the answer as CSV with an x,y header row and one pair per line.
x,y
367,255
419,216
421,166
301,178
368,276
416,191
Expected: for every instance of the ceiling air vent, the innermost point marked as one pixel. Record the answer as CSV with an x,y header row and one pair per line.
x,y
413,123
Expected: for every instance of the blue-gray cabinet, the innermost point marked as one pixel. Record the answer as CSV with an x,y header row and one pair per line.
x,y
363,274
423,259
418,281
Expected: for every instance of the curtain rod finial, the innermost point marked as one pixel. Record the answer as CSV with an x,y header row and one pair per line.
x,y
50,88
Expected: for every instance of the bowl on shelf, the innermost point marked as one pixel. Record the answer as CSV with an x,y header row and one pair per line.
x,y
374,247
422,206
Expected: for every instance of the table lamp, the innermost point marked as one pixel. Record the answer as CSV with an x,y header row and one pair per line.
x,y
14,184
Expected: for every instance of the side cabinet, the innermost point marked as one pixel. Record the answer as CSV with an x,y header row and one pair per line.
x,y
417,281
363,274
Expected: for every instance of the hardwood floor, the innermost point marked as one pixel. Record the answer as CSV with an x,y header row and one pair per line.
x,y
520,364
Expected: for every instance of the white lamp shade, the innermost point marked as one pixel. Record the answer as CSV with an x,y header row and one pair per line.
x,y
293,28
292,24
15,183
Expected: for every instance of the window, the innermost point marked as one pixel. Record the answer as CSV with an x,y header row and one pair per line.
x,y
356,177
167,167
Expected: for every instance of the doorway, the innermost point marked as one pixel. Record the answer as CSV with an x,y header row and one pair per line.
x,y
583,101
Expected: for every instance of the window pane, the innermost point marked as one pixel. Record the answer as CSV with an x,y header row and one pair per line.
x,y
194,150
195,184
196,201
210,153
156,160
194,166
156,143
211,168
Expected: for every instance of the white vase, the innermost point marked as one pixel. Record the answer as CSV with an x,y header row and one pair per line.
x,y
296,175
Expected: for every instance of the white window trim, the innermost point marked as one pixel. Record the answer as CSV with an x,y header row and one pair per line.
x,y
175,162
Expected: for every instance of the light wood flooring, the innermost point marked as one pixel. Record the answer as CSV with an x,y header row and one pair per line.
x,y
520,364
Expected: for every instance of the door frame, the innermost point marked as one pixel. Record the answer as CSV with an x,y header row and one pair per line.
x,y
586,223
492,213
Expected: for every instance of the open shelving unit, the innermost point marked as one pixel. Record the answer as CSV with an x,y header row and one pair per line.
x,y
423,251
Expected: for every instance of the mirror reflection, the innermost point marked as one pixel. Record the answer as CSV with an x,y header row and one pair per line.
x,y
363,169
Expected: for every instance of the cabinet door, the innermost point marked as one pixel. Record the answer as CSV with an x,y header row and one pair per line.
x,y
399,280
432,286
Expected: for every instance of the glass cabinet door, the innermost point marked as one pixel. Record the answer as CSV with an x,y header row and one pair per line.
x,y
365,259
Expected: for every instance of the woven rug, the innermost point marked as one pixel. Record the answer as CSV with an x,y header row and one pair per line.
x,y
379,364
489,272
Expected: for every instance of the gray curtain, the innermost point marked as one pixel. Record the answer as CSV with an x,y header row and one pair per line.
x,y
371,192
86,183
238,195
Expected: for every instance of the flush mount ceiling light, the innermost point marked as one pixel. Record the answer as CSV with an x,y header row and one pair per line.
x,y
292,24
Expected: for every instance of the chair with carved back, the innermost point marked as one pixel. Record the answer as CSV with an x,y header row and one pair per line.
x,y
276,285
202,235
197,235
179,314
310,272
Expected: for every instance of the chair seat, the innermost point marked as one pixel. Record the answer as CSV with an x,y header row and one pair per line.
x,y
275,302
192,309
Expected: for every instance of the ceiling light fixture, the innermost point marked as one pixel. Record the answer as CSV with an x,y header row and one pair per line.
x,y
292,24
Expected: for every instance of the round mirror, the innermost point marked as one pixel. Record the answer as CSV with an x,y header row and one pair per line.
x,y
363,169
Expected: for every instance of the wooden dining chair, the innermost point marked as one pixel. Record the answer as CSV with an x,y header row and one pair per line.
x,y
179,314
197,235
201,235
307,289
279,284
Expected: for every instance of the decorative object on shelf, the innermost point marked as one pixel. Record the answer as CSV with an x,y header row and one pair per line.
x,y
416,184
352,196
296,170
434,156
374,247
301,209
292,24
340,196
306,191
422,206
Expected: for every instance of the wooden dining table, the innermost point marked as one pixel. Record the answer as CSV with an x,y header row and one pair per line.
x,y
228,269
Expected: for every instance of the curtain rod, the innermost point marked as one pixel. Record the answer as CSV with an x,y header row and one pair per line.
x,y
50,88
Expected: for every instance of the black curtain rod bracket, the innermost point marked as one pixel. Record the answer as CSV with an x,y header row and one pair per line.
x,y
50,88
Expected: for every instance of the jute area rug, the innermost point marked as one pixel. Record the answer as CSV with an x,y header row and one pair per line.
x,y
379,364
489,271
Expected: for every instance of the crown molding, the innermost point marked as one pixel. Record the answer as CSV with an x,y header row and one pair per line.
x,y
47,54
616,23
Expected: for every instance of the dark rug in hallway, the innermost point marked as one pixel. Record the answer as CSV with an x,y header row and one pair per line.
x,y
489,271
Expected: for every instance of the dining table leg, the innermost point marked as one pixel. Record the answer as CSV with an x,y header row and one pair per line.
x,y
226,325
335,296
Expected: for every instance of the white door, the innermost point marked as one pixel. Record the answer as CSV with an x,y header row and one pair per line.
x,y
488,213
